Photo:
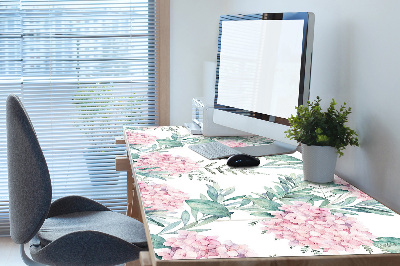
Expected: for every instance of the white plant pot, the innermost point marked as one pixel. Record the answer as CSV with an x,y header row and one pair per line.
x,y
319,163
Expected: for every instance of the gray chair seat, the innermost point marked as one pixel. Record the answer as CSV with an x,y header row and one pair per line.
x,y
72,230
107,222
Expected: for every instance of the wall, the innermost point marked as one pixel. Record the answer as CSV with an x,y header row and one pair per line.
x,y
194,41
355,60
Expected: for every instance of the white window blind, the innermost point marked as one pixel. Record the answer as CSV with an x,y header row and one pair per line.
x,y
83,69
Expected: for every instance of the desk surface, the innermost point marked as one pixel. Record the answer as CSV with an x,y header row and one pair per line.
x,y
196,208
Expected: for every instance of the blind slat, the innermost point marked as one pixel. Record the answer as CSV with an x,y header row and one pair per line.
x,y
83,69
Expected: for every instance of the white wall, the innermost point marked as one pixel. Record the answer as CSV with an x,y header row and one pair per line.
x,y
194,41
356,60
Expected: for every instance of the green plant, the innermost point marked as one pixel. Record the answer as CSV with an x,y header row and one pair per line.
x,y
102,105
312,126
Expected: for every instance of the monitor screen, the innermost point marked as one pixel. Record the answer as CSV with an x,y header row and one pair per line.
x,y
263,71
260,64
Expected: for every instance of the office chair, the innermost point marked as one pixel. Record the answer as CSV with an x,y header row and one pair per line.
x,y
70,231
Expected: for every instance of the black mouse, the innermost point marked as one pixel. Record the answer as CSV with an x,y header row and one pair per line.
x,y
242,160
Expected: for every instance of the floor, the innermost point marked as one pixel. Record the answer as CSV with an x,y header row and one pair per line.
x,y
10,256
9,253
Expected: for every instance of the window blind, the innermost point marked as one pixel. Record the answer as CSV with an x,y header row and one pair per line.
x,y
83,69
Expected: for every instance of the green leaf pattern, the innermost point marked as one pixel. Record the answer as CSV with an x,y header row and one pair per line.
x,y
221,196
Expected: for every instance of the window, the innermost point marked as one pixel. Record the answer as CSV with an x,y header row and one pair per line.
x,y
83,69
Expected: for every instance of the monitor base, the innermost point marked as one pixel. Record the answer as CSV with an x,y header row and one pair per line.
x,y
275,148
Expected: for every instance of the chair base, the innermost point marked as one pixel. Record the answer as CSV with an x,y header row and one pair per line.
x,y
26,259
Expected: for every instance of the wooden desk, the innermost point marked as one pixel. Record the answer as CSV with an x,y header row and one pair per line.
x,y
199,211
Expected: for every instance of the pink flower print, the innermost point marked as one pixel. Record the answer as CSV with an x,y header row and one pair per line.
x,y
306,225
140,138
232,143
191,245
161,197
354,191
164,162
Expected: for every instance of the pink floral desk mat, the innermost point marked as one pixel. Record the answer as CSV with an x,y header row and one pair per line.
x,y
198,208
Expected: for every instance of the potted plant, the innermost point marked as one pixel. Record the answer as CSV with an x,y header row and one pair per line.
x,y
97,106
323,135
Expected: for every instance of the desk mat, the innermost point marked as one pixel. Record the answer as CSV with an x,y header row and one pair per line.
x,y
198,208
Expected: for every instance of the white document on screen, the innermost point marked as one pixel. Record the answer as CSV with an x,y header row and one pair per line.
x,y
260,65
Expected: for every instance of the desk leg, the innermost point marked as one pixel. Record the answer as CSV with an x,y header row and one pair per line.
x,y
144,260
133,210
132,197
133,263
129,192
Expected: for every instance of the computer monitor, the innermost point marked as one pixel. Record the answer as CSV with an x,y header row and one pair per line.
x,y
263,73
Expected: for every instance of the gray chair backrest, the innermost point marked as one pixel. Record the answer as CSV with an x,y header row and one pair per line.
x,y
29,183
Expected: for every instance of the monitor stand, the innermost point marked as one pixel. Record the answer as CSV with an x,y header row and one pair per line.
x,y
275,148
